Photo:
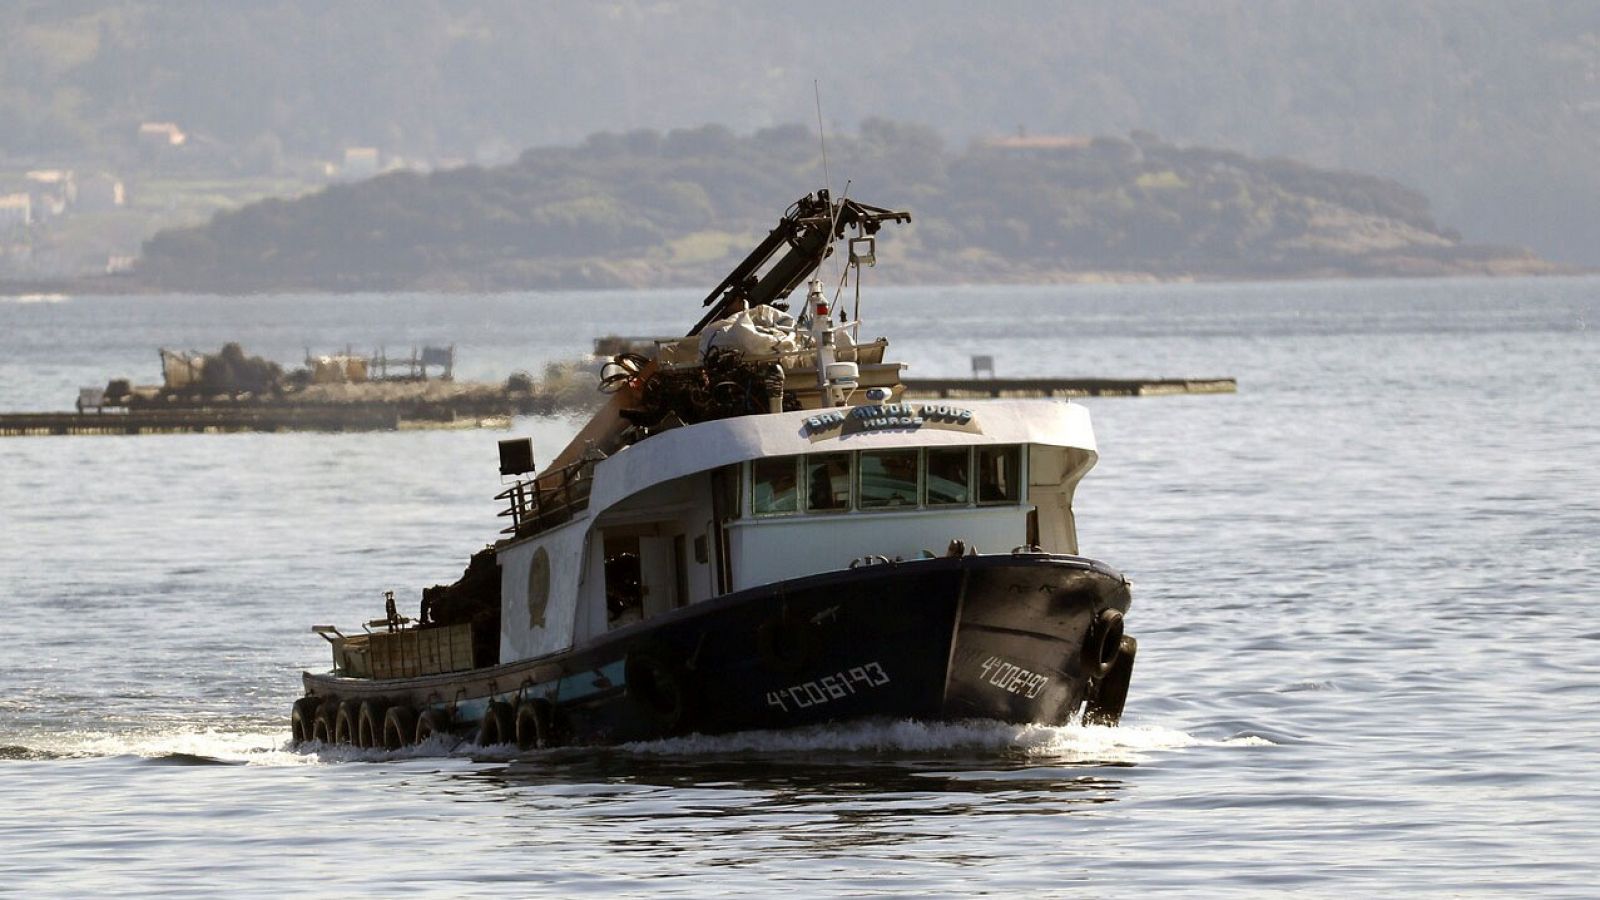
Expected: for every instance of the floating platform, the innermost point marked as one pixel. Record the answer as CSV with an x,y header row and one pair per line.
x,y
925,388
383,417
213,421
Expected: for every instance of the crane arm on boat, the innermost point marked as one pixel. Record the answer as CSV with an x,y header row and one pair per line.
x,y
808,229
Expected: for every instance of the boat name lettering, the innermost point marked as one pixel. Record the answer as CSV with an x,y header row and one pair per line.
x,y
881,416
1013,678
828,688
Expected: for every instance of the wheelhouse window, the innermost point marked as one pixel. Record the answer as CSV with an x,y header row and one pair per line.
x,y
774,486
949,476
890,479
827,482
875,480
999,474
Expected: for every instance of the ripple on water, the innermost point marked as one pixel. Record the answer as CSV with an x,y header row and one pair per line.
x,y
1363,592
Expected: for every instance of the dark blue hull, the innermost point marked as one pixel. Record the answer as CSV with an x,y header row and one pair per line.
x,y
1018,638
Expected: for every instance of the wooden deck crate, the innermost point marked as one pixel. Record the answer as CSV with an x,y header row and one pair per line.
x,y
350,654
420,651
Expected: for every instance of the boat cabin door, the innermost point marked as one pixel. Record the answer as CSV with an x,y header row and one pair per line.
x,y
644,570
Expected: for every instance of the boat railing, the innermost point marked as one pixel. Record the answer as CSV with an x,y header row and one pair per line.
x,y
551,499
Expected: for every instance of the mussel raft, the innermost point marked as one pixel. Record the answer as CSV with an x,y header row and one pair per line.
x,y
758,532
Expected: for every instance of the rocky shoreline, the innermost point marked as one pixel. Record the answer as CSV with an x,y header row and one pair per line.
x,y
599,275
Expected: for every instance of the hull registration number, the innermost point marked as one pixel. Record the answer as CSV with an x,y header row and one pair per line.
x,y
829,688
1013,678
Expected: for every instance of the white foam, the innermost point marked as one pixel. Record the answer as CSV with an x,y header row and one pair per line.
x,y
206,744
1043,742
440,745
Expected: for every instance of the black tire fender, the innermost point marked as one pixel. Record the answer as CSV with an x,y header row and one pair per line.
x,y
1111,692
1102,643
399,726
535,725
322,725
369,724
345,723
431,722
659,687
786,643
498,725
302,720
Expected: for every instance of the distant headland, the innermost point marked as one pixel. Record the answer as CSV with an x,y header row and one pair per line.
x,y
647,209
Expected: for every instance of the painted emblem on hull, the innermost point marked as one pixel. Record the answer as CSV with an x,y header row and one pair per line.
x,y
538,587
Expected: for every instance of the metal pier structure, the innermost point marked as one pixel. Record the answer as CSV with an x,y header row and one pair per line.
x,y
216,421
955,388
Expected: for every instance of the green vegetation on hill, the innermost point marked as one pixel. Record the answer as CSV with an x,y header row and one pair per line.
x,y
649,208
1491,108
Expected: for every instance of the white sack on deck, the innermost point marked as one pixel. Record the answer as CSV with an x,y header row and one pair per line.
x,y
763,330
844,346
771,317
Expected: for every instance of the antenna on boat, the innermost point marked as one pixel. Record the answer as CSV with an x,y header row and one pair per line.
x,y
822,137
835,208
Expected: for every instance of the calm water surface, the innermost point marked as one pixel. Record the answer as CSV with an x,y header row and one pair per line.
x,y
1366,589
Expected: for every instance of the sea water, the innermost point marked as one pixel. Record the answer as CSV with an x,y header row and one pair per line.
x,y
1366,593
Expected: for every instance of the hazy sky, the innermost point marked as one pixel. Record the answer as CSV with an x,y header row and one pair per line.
x,y
1491,108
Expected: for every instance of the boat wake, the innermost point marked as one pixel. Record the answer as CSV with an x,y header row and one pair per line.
x,y
1064,743
183,747
1068,744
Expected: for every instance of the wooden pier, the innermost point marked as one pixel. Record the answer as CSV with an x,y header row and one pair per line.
x,y
955,388
214,421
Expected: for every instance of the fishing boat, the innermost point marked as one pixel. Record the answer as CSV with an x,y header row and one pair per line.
x,y
757,531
